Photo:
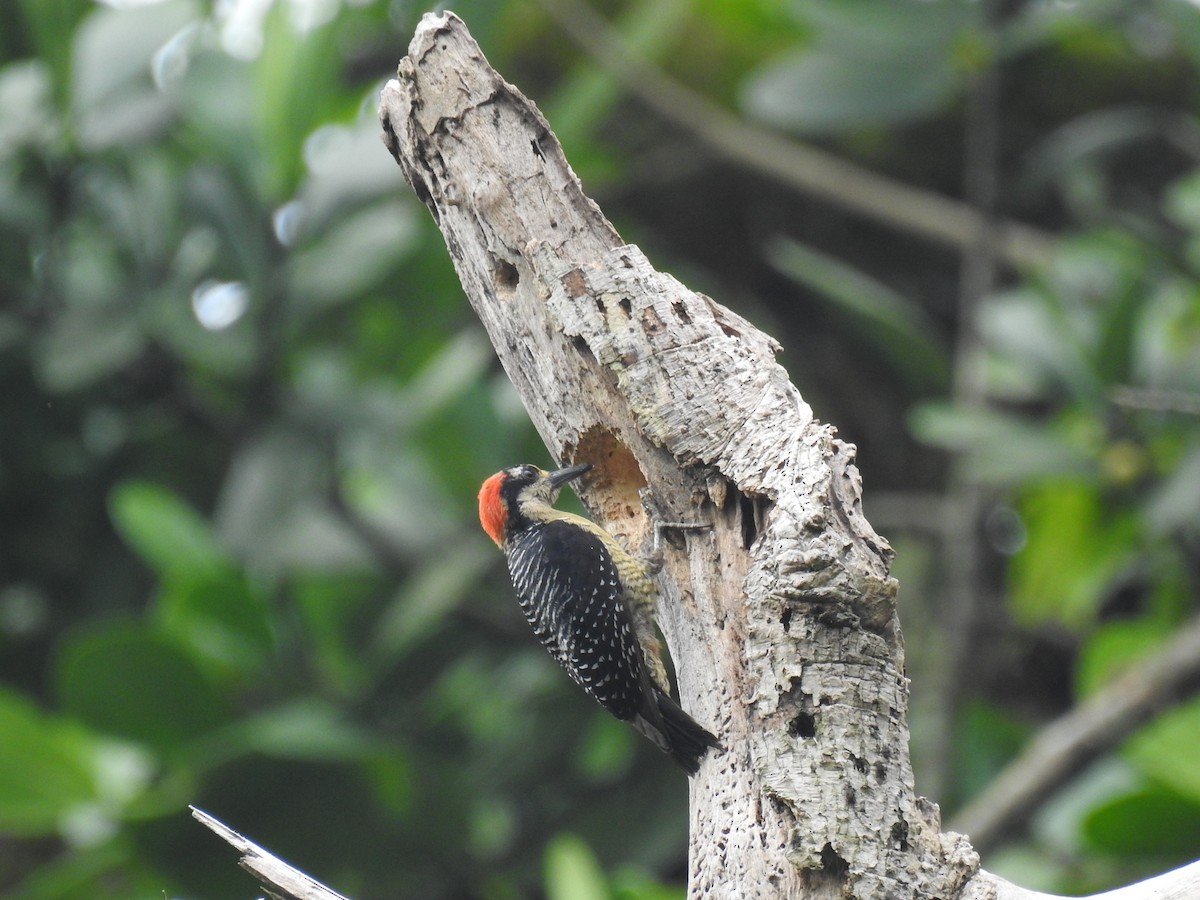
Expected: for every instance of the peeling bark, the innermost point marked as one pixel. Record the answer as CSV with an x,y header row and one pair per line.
x,y
781,618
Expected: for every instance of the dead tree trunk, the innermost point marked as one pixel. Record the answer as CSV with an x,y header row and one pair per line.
x,y
781,619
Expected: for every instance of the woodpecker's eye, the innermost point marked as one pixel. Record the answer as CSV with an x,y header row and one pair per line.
x,y
522,475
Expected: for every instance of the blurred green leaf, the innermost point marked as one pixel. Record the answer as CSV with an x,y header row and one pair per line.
x,y
344,168
585,97
425,599
1023,327
572,872
999,448
85,346
1167,337
827,90
1087,273
223,619
987,739
44,768
331,608
222,199
1075,549
211,333
606,748
894,325
1075,154
113,97
167,533
1174,505
1183,21
109,869
448,374
309,729
634,884
27,116
493,826
1114,647
1183,202
1154,822
1057,824
393,780
859,70
1165,750
354,256
1078,329
125,680
273,506
1119,328
50,25
496,704
217,103
297,87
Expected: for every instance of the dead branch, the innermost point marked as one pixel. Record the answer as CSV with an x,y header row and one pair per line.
x,y
781,618
277,877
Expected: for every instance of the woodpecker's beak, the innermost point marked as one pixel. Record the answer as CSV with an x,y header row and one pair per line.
x,y
570,473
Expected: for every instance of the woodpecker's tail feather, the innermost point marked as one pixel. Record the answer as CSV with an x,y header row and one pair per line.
x,y
686,741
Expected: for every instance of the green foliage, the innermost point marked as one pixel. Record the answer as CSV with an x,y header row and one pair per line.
x,y
1151,824
166,533
1089,427
1114,647
45,768
897,329
857,69
1075,551
124,680
985,741
1158,750
572,872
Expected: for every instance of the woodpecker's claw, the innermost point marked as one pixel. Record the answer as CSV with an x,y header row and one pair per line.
x,y
661,526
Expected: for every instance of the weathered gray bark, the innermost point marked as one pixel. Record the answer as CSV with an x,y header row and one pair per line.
x,y
782,618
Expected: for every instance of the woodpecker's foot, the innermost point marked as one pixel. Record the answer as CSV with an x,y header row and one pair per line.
x,y
661,526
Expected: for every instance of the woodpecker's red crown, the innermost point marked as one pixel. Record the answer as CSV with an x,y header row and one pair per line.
x,y
504,495
491,508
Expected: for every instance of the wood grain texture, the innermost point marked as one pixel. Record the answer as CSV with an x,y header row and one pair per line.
x,y
781,619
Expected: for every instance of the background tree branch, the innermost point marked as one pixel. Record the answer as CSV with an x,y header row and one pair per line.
x,y
1092,728
798,165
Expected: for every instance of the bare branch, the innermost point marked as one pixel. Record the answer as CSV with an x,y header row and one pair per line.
x,y
279,879
1183,402
1091,729
1178,884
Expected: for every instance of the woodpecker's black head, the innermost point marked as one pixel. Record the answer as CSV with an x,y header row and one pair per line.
x,y
508,498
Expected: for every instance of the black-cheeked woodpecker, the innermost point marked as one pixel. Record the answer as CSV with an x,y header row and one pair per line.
x,y
590,604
